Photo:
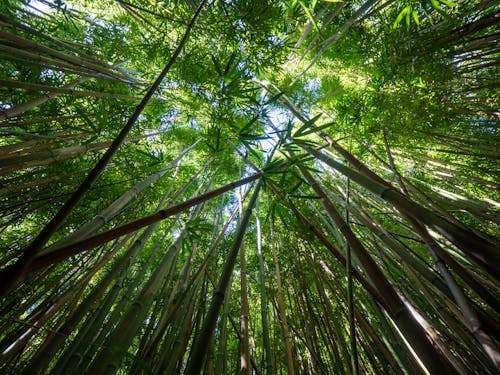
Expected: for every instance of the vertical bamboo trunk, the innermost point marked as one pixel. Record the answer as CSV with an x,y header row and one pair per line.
x,y
474,322
41,360
350,297
414,333
92,333
281,307
263,300
244,343
481,248
108,360
483,251
199,348
335,287
21,343
221,360
160,280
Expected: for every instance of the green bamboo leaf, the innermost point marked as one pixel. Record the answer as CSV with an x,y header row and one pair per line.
x,y
150,155
309,15
448,3
295,187
283,214
251,150
402,14
436,5
310,168
249,124
306,125
316,129
305,142
274,98
216,65
253,137
289,148
271,213
91,140
415,17
229,63
272,166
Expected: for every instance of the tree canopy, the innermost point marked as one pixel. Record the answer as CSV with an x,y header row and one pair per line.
x,y
251,186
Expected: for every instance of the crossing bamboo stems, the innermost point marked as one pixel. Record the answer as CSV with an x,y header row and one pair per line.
x,y
11,277
199,349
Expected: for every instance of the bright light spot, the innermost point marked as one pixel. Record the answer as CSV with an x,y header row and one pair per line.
x,y
492,202
39,7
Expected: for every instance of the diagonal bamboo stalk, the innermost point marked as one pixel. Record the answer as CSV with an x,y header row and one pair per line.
x,y
15,25
51,156
114,208
413,332
482,251
244,317
26,44
64,90
62,253
21,108
41,120
462,301
14,276
108,359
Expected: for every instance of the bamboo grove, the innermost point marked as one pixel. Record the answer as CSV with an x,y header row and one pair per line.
x,y
249,186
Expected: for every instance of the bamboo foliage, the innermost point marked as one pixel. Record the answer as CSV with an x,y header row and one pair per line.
x,y
114,208
47,232
364,132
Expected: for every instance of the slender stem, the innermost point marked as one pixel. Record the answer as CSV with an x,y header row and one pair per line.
x,y
17,274
200,345
350,298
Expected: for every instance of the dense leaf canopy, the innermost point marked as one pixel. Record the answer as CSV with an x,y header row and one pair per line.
x,y
254,186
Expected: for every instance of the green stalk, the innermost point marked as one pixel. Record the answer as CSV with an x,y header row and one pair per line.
x,y
350,298
94,241
108,360
11,277
482,251
200,344
263,299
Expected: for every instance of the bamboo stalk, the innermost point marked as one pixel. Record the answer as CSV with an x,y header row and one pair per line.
x,y
27,44
412,331
94,241
21,26
199,349
244,342
482,251
21,108
114,208
108,359
64,90
10,278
